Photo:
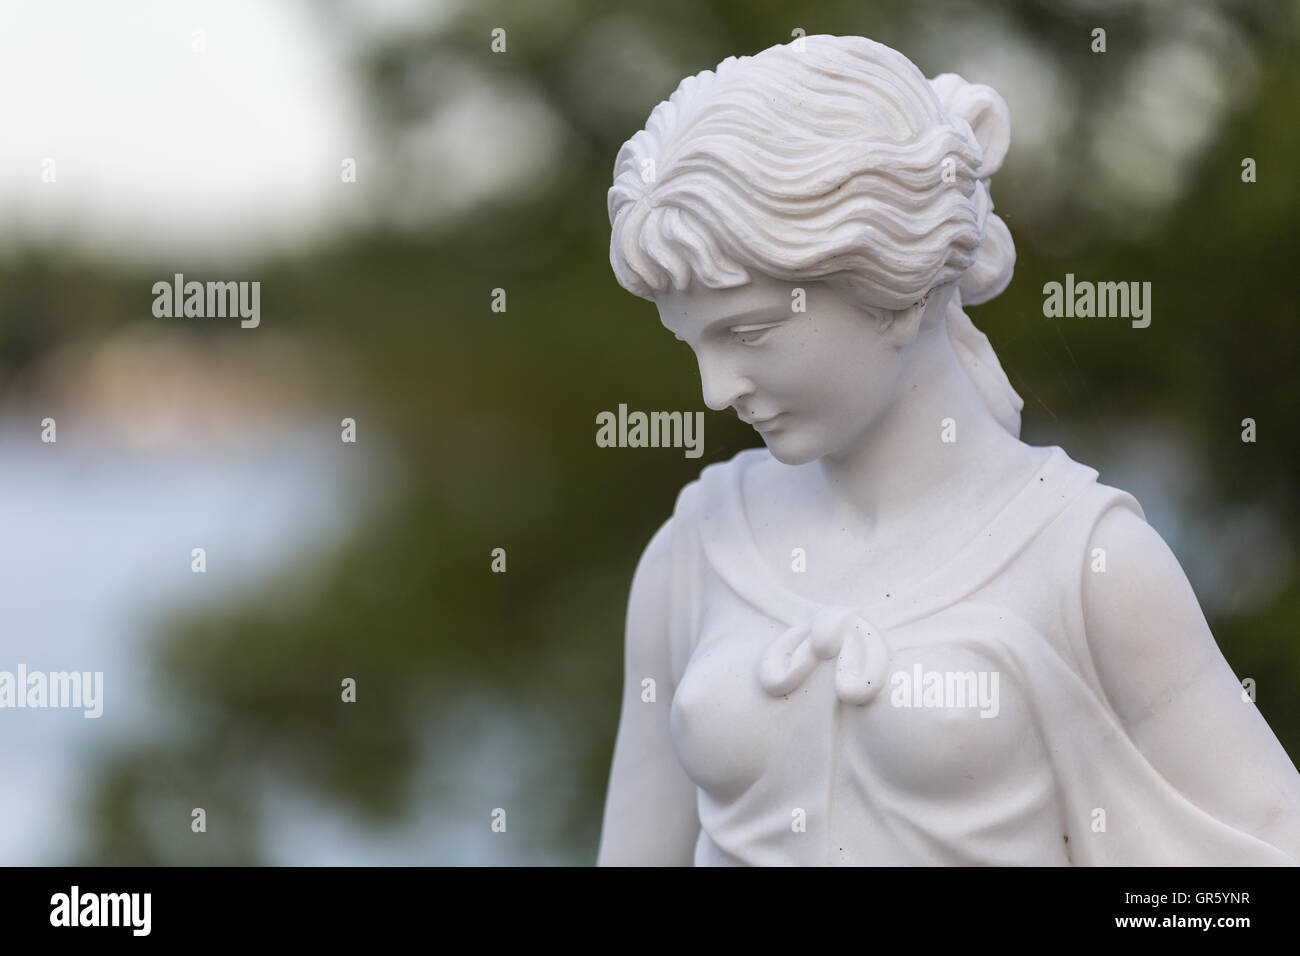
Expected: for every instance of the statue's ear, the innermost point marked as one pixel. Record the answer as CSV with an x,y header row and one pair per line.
x,y
904,324
984,110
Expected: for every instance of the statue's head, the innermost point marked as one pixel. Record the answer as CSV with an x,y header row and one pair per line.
x,y
827,175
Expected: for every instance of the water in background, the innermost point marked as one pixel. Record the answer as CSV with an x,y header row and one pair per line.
x,y
93,550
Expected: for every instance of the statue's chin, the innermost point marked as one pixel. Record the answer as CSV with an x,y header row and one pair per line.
x,y
789,454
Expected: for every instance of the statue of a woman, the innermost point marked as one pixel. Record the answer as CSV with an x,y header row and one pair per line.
x,y
897,634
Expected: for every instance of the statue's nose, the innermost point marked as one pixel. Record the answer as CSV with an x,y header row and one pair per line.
x,y
721,386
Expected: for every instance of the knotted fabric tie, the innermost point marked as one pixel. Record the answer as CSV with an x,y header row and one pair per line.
x,y
862,657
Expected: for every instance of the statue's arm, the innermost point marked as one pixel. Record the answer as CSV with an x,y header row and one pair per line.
x,y
1174,692
651,817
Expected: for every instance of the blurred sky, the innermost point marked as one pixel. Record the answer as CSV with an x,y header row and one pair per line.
x,y
256,125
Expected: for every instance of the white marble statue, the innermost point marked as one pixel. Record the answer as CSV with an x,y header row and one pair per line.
x,y
897,634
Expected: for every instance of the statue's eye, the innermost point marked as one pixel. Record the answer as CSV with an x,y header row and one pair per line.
x,y
753,334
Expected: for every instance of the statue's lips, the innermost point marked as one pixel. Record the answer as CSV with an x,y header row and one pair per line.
x,y
762,423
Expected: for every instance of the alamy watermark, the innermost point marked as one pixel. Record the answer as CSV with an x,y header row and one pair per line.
x,y
129,910
1086,299
945,689
656,430
82,690
212,300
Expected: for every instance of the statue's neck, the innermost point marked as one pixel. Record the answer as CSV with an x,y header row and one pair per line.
x,y
935,445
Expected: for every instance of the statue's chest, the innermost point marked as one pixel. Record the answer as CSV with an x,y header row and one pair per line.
x,y
948,717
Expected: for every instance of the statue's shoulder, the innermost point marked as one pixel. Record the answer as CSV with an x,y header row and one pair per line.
x,y
1058,512
1088,498
718,483
1064,554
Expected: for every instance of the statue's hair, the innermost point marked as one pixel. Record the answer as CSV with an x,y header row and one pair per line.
x,y
835,159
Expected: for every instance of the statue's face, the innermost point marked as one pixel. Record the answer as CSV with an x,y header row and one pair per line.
x,y
812,383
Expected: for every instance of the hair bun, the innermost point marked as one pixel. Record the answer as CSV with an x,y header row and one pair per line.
x,y
994,263
982,109
982,115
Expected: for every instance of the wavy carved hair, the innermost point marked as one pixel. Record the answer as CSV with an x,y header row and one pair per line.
x,y
835,159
